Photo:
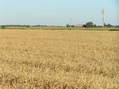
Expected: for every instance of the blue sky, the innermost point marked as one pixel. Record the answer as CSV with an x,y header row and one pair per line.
x,y
58,12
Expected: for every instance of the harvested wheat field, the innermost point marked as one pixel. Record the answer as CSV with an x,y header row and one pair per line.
x,y
46,59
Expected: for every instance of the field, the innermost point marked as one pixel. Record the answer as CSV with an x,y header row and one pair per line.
x,y
59,59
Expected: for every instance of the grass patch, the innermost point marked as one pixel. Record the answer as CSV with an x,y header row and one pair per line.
x,y
113,29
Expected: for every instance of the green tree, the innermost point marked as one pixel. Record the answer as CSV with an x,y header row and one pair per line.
x,y
68,25
28,26
108,25
3,27
89,24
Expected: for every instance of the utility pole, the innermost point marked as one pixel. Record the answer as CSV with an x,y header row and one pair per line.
x,y
103,17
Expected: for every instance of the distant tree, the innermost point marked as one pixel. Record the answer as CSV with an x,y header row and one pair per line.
x,y
70,25
115,26
67,25
3,27
108,25
84,25
28,26
94,25
89,24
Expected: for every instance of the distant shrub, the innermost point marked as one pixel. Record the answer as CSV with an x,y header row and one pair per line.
x,y
3,27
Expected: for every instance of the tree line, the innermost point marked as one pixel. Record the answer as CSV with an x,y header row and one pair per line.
x,y
90,24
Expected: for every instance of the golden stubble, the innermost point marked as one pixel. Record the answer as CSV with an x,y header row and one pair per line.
x,y
46,59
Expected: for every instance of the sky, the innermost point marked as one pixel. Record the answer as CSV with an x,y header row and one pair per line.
x,y
58,12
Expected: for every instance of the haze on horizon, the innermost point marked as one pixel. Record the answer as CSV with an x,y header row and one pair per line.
x,y
57,12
